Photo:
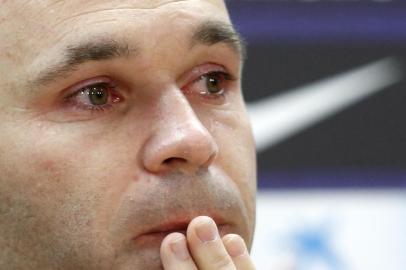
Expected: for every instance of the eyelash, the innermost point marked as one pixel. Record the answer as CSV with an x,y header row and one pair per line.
x,y
114,97
223,76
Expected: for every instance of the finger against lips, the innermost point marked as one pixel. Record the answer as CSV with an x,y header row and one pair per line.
x,y
238,252
206,245
175,254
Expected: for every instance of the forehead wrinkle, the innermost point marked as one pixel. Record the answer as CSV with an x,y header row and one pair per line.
x,y
121,7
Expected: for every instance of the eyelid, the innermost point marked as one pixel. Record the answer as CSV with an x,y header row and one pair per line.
x,y
76,107
199,71
72,90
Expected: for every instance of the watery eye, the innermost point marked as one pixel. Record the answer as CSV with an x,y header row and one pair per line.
x,y
213,83
97,95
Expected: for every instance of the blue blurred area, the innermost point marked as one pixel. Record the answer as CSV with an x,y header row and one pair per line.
x,y
339,178
320,21
330,230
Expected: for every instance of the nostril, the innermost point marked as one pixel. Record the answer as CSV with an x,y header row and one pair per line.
x,y
173,160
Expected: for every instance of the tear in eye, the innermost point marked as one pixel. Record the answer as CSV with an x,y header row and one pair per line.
x,y
215,82
94,97
97,94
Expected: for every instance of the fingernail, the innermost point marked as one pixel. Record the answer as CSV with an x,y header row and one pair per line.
x,y
179,248
206,230
235,246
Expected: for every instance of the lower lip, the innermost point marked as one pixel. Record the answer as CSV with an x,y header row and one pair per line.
x,y
154,240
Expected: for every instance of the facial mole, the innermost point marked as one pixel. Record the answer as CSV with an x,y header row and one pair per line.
x,y
48,165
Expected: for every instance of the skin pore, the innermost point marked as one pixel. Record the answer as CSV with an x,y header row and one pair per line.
x,y
119,120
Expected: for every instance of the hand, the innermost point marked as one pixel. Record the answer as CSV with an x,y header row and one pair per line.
x,y
203,249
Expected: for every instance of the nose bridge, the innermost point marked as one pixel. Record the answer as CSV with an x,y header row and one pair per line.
x,y
174,105
180,123
182,116
180,139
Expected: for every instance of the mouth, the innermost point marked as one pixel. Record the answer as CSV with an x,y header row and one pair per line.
x,y
154,237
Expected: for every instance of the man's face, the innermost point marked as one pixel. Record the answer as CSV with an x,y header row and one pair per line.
x,y
120,121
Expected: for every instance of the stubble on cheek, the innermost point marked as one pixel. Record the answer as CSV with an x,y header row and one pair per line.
x,y
238,156
47,217
26,222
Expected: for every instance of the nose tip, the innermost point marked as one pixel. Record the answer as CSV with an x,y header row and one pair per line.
x,y
188,147
186,151
190,160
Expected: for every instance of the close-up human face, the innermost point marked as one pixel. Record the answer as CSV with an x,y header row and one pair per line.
x,y
120,121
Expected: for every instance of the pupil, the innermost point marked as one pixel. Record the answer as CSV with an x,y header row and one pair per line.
x,y
213,85
98,95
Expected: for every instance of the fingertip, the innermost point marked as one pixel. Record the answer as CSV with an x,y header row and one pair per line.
x,y
237,250
175,253
235,245
198,221
172,237
175,244
206,246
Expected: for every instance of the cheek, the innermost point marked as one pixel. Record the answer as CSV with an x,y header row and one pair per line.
x,y
70,184
28,165
94,166
232,132
38,171
84,169
33,193
237,156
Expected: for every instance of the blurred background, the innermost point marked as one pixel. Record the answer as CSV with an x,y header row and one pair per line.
x,y
325,87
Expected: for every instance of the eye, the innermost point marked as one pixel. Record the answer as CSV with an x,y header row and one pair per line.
x,y
213,84
97,96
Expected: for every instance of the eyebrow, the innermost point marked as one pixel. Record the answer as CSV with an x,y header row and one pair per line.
x,y
207,33
213,32
75,55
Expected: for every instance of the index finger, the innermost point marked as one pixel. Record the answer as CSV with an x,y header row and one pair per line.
x,y
175,254
206,245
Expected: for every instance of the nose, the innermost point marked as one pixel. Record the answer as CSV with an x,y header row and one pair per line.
x,y
180,141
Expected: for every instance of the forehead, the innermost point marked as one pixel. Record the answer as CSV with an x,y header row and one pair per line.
x,y
80,4
45,27
52,14
44,20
